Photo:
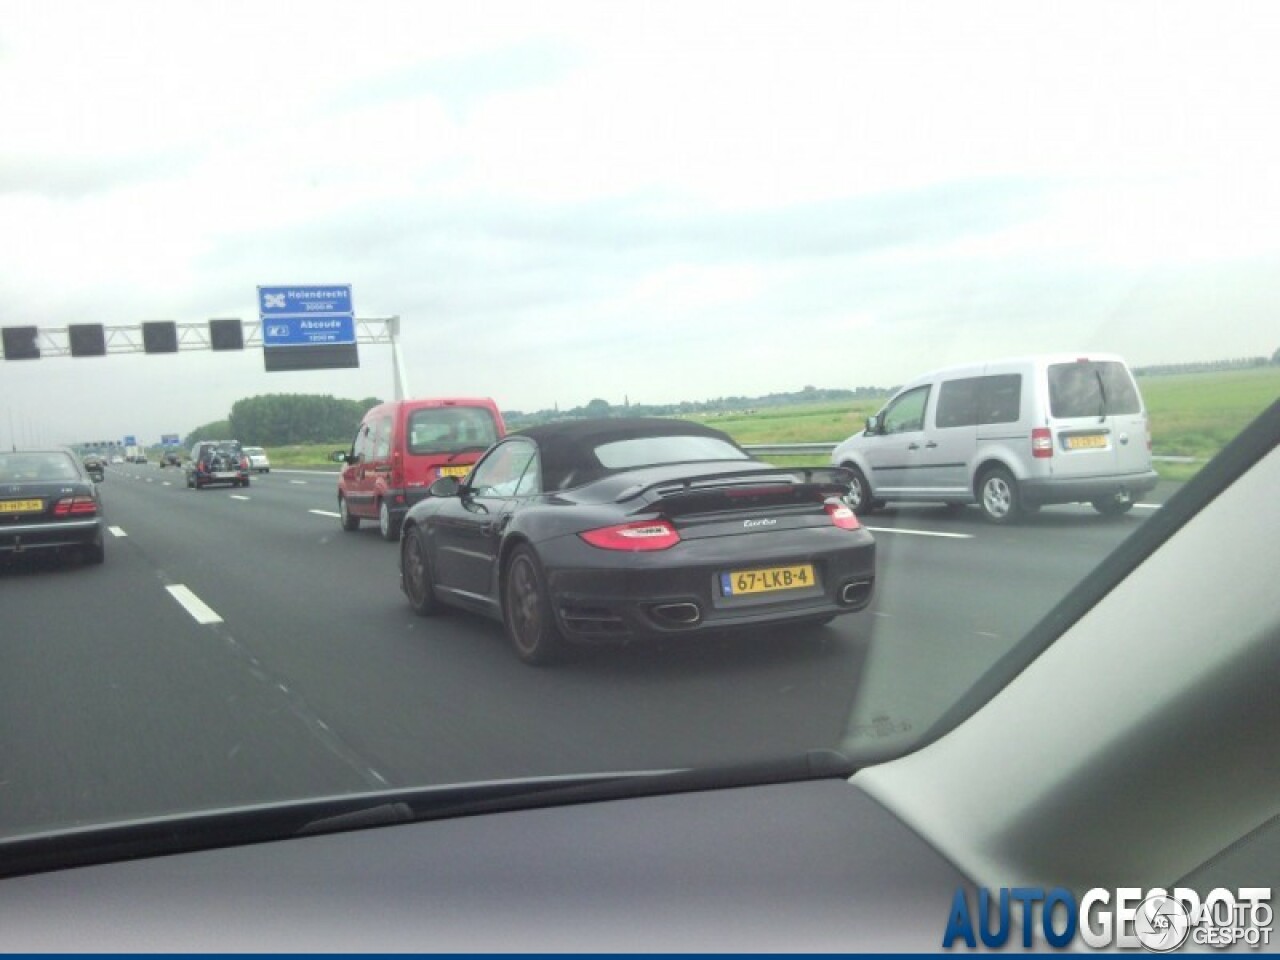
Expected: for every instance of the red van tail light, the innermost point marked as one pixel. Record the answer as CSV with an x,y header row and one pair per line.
x,y
75,507
397,470
1041,443
842,516
244,463
639,535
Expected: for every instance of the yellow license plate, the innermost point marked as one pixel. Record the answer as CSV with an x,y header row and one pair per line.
x,y
455,471
737,583
21,506
1086,443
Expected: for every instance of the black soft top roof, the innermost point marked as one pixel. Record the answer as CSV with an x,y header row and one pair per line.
x,y
567,447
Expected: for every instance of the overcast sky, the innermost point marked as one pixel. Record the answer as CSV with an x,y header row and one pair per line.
x,y
663,201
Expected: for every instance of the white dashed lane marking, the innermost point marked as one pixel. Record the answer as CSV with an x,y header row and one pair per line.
x,y
200,611
325,513
301,483
117,531
238,496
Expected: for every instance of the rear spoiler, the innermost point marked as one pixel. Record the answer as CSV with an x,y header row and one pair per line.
x,y
796,481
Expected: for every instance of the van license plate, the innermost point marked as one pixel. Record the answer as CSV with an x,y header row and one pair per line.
x,y
455,471
1086,443
736,583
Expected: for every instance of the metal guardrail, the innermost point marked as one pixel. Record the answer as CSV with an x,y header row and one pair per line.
x,y
816,449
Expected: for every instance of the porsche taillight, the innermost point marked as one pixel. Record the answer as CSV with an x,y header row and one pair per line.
x,y
842,516
639,535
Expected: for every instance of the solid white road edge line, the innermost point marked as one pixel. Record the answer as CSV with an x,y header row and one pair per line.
x,y
200,611
921,533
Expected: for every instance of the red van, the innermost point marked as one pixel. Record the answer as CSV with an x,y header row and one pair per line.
x,y
405,445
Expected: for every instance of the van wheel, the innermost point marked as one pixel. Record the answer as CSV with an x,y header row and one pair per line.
x,y
859,495
388,525
998,496
348,521
1114,506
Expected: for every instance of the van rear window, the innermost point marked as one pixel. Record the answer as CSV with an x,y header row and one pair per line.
x,y
451,430
1091,389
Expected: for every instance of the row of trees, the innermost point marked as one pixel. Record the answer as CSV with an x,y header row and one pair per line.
x,y
602,408
1212,366
279,419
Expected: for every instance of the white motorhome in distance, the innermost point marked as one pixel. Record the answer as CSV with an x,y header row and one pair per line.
x,y
1009,435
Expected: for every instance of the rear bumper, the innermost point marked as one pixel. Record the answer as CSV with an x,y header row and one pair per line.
x,y
206,479
1046,490
603,595
17,538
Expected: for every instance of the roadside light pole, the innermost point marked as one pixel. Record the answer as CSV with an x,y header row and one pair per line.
x,y
397,358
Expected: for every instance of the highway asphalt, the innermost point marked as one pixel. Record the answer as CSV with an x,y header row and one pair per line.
x,y
238,647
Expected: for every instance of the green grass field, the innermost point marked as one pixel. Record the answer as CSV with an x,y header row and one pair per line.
x,y
1192,415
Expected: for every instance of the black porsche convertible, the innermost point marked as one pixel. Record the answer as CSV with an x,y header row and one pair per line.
x,y
613,529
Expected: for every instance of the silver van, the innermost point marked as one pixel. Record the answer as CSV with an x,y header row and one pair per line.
x,y
1009,435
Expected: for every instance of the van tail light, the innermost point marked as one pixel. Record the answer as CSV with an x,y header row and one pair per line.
x,y
75,507
244,463
1041,443
637,536
397,470
842,515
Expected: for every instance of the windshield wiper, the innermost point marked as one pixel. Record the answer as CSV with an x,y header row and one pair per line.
x,y
1102,389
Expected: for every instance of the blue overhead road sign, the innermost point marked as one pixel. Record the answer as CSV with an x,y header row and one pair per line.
x,y
305,331
327,300
306,316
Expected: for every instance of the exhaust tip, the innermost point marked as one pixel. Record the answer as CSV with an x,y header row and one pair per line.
x,y
856,593
681,614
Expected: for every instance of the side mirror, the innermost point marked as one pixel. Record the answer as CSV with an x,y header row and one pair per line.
x,y
339,456
445,487
873,424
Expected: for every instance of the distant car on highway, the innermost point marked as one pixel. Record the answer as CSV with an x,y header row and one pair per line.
x,y
401,447
217,461
259,462
117,459
1010,435
48,501
171,458
601,530
95,466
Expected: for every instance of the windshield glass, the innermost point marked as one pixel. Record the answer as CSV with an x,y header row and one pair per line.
x,y
762,219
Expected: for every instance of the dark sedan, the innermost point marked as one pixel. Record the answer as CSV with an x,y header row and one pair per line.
x,y
610,529
49,502
96,466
